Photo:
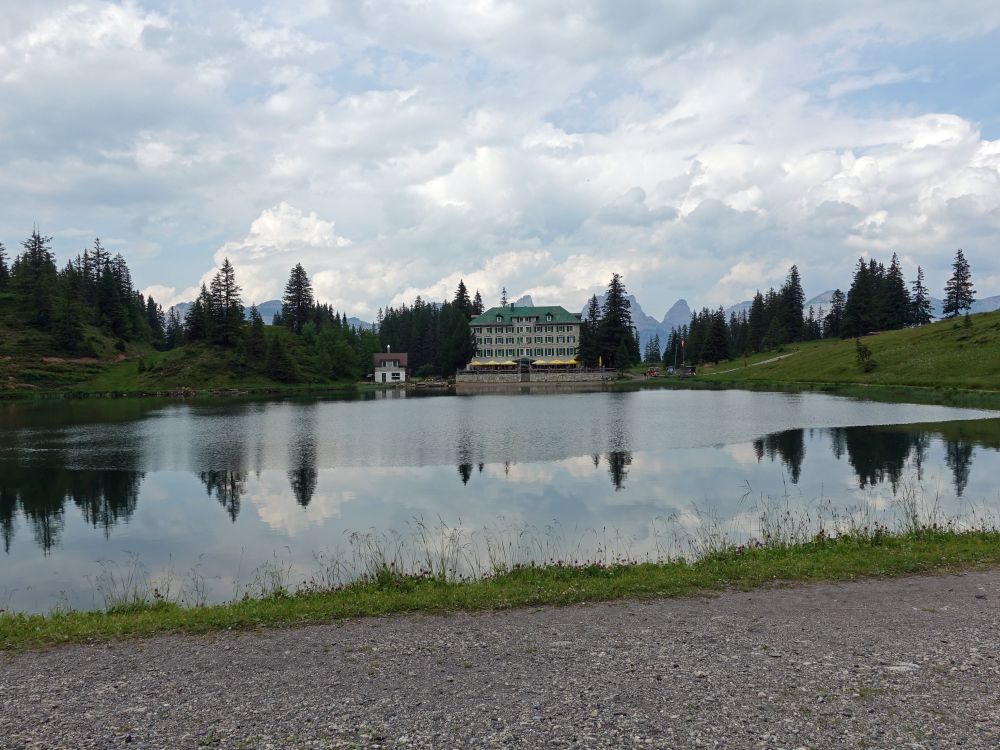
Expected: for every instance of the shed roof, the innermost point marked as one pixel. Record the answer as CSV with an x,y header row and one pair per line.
x,y
379,358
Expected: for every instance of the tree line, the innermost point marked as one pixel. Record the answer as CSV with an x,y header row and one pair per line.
x,y
879,299
94,288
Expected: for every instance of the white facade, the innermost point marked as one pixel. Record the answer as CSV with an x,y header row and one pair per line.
x,y
390,372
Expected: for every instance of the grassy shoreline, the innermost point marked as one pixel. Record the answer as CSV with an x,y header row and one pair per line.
x,y
873,554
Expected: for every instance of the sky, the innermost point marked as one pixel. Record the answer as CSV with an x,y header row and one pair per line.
x,y
697,147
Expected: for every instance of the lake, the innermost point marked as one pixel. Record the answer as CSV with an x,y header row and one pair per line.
x,y
205,496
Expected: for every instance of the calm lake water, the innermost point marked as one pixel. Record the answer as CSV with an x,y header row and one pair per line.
x,y
222,488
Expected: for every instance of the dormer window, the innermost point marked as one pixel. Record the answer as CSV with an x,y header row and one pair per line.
x,y
499,318
548,317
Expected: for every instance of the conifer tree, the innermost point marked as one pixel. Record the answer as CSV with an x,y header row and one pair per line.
x,y
477,304
503,297
959,293
4,268
255,344
833,323
33,278
894,299
174,330
615,332
859,310
589,348
793,299
462,301
227,305
920,305
297,302
758,323
279,365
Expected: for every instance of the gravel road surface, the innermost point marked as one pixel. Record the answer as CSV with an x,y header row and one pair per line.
x,y
909,663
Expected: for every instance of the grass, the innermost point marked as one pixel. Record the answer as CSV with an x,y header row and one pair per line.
x,y
782,557
941,355
942,363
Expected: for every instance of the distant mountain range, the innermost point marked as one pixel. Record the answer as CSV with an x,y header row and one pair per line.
x,y
678,315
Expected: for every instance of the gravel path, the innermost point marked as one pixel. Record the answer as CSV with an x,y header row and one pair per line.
x,y
910,663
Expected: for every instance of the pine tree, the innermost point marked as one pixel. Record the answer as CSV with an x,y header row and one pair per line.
x,y
174,330
894,299
920,305
227,305
793,299
503,297
859,310
255,344
959,293
833,323
33,279
615,330
477,304
462,301
156,322
297,302
4,268
279,364
589,348
757,322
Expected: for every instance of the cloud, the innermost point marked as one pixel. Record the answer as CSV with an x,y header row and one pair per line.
x,y
394,148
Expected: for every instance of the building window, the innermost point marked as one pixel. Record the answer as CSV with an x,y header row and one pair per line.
x,y
548,339
538,339
499,318
510,339
560,339
571,339
548,316
548,329
550,352
538,352
395,376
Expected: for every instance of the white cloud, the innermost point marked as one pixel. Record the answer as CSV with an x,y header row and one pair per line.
x,y
698,149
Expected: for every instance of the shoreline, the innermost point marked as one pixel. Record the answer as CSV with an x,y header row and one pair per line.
x,y
927,395
870,553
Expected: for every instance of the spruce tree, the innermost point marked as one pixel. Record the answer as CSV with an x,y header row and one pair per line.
x,y
4,268
227,305
859,310
462,301
894,299
757,322
959,293
793,299
920,304
255,344
33,279
279,364
833,323
589,348
615,330
477,304
297,302
174,330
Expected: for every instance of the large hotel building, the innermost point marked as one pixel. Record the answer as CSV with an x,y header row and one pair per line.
x,y
526,332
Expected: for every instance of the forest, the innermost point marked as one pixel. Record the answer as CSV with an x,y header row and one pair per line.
x,y
309,341
879,299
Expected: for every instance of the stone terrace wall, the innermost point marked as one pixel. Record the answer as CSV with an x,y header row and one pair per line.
x,y
487,377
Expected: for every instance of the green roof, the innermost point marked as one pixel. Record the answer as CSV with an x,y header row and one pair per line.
x,y
559,315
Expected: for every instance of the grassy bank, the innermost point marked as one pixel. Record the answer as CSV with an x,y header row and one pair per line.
x,y
943,363
943,355
874,553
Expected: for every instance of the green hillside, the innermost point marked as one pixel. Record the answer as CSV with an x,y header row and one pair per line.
x,y
945,354
32,363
